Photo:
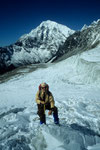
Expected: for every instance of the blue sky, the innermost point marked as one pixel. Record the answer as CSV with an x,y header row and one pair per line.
x,y
18,17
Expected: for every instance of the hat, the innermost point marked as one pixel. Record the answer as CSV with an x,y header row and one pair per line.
x,y
43,84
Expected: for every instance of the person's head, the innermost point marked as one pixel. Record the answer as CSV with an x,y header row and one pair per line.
x,y
44,87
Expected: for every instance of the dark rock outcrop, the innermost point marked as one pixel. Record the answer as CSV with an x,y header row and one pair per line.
x,y
80,41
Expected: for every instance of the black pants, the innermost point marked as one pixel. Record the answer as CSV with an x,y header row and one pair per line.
x,y
41,112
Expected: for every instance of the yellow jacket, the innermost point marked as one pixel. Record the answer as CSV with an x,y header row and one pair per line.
x,y
48,98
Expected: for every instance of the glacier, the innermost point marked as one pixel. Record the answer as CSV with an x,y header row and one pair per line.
x,y
75,84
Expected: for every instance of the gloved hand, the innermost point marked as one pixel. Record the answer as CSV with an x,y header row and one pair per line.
x,y
42,102
50,112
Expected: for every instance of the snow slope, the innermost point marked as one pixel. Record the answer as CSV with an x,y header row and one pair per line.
x,y
75,84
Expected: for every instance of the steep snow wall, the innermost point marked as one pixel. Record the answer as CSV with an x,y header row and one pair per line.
x,y
81,69
88,66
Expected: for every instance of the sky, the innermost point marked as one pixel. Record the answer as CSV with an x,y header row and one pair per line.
x,y
18,17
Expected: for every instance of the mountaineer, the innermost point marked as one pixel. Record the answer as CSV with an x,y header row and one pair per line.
x,y
45,101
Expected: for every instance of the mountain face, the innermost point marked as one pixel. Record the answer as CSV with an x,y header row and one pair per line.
x,y
87,38
5,59
39,46
48,42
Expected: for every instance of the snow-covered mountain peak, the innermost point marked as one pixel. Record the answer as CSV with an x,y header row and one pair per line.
x,y
48,23
95,23
48,30
84,27
98,20
38,46
87,38
41,44
49,41
52,27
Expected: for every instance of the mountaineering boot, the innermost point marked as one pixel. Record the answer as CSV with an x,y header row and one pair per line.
x,y
43,119
56,119
42,122
55,115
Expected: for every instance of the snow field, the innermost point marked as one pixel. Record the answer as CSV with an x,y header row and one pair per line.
x,y
76,94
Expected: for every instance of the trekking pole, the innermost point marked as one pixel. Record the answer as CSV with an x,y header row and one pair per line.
x,y
44,108
44,115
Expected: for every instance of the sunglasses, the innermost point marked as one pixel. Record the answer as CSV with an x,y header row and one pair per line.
x,y
43,87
